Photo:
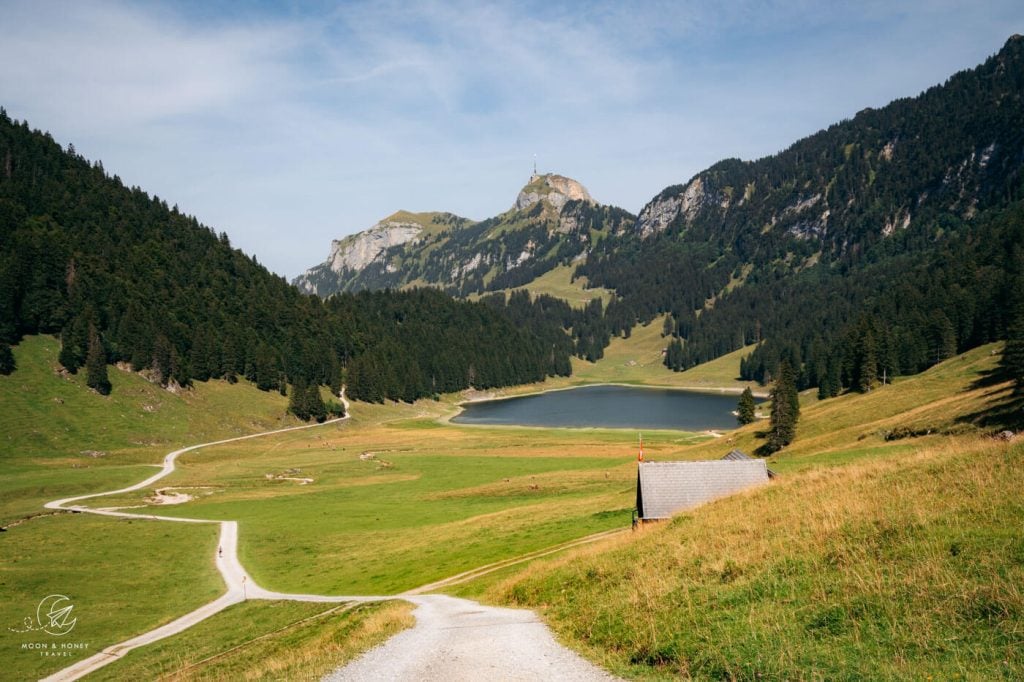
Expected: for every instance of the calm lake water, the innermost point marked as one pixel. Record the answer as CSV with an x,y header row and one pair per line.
x,y
610,407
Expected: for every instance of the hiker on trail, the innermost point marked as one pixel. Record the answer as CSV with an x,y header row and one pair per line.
x,y
220,551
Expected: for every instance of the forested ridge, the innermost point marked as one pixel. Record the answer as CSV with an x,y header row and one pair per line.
x,y
877,247
121,276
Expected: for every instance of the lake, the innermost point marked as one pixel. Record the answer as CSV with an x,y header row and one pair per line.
x,y
608,407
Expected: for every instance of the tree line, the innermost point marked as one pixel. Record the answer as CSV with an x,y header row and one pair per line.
x,y
121,277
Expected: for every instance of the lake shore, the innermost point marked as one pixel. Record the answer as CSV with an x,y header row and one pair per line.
x,y
712,420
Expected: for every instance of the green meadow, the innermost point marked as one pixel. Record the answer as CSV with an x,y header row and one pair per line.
x,y
387,501
888,548
123,577
378,507
60,439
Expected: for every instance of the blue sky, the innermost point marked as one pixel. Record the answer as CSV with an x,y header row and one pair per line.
x,y
288,124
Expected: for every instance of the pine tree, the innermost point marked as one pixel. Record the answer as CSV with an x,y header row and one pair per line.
x,y
785,410
200,356
297,404
162,359
745,410
96,364
7,363
866,368
943,337
314,403
1012,362
74,342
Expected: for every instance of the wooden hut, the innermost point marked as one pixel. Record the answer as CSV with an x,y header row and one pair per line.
x,y
667,488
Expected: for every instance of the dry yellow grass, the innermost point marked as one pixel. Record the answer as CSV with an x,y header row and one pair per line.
x,y
866,559
266,641
880,569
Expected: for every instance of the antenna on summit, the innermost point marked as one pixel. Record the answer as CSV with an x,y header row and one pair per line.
x,y
535,165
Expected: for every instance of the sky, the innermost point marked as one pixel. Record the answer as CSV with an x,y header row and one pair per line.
x,y
289,124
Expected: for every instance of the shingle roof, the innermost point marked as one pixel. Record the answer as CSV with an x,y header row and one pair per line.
x,y
665,488
740,456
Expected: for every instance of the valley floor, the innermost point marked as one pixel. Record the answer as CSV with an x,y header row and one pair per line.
x,y
890,533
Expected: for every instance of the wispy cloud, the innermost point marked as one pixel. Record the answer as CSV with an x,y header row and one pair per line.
x,y
289,127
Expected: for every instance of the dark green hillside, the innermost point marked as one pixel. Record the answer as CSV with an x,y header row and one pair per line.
x,y
876,247
85,257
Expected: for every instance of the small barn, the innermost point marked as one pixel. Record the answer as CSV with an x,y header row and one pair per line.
x,y
667,488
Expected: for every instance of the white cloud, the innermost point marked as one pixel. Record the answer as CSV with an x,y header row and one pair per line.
x,y
288,130
107,65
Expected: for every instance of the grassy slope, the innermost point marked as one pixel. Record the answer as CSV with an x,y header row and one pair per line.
x,y
123,577
894,560
558,282
371,525
499,492
113,570
266,640
638,360
49,423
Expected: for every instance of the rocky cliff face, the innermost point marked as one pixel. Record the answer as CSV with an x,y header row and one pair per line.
x,y
556,190
685,200
550,224
359,250
356,252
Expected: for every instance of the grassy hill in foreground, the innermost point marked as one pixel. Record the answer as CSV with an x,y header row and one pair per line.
x,y
903,560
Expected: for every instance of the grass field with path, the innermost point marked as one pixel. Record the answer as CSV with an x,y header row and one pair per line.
x,y
867,558
395,498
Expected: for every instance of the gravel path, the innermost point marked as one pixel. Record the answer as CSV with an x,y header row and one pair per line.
x,y
457,639
454,639
239,585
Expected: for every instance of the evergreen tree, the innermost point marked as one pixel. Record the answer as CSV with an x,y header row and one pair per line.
x,y
314,403
7,363
96,364
202,368
746,410
942,337
785,411
74,342
1012,362
297,402
266,372
162,359
866,367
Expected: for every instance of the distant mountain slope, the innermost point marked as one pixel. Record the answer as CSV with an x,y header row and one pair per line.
x,y
876,247
122,277
552,222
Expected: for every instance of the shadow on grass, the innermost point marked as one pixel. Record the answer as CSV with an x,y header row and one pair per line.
x,y
1004,406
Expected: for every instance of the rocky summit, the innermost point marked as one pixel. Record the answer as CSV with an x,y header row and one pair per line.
x,y
551,223
555,189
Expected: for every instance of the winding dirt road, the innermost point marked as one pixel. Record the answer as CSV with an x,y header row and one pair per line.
x,y
453,639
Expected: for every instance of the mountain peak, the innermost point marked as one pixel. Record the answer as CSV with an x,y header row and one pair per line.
x,y
555,189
